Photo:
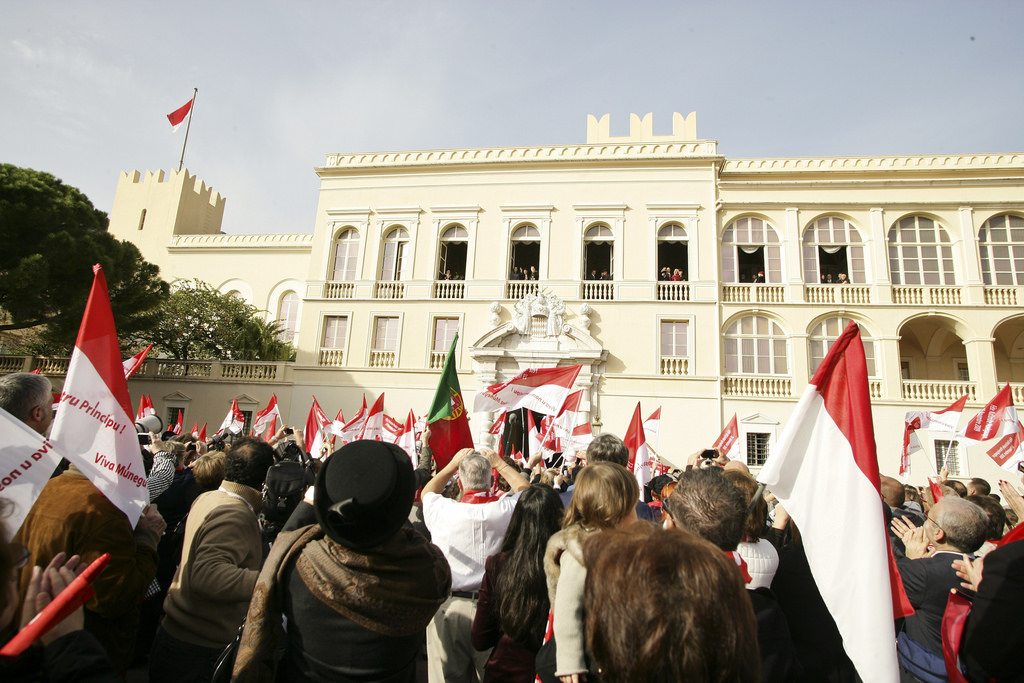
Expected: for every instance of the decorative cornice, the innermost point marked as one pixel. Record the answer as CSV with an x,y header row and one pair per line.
x,y
289,242
700,149
931,162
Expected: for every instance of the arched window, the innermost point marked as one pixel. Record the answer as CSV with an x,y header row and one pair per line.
x,y
1001,247
597,252
288,316
920,253
525,252
452,254
346,255
831,246
751,252
395,261
672,252
755,344
825,334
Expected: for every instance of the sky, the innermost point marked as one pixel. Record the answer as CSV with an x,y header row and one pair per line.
x,y
86,86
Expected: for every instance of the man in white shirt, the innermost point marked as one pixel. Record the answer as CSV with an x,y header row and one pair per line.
x,y
467,531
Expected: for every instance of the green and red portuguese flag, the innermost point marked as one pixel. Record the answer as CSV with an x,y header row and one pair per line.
x,y
449,426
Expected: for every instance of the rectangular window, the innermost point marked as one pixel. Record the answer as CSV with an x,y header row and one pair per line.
x,y
247,427
335,332
757,448
385,334
674,335
444,333
947,453
963,371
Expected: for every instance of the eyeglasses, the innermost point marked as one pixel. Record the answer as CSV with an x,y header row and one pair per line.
x,y
929,519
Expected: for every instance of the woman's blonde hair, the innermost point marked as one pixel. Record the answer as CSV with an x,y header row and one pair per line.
x,y
604,493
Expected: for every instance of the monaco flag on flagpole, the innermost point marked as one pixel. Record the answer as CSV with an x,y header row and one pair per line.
x,y
267,417
997,418
542,391
178,426
178,116
373,426
639,456
1008,451
652,427
406,439
132,365
729,440
945,420
32,459
824,470
94,428
313,437
560,427
350,430
234,421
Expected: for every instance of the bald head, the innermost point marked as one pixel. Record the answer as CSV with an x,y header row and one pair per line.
x,y
893,492
963,524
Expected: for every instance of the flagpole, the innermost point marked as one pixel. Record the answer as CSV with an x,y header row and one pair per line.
x,y
181,161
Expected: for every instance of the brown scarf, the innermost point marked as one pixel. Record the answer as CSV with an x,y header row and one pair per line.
x,y
393,589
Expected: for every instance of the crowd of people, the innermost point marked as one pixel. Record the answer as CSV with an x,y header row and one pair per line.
x,y
477,569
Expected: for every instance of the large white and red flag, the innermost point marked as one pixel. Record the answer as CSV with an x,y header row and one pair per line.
x,y
997,418
313,434
945,420
28,460
542,391
94,428
728,442
234,421
639,455
824,470
373,426
179,115
351,430
132,365
267,418
1008,451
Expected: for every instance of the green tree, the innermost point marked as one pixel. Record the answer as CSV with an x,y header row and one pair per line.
x,y
52,235
197,322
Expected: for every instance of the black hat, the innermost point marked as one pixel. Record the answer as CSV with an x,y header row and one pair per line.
x,y
363,493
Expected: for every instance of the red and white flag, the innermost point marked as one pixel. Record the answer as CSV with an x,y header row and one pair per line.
x,y
351,430
498,428
28,459
132,365
234,421
373,426
945,420
829,439
178,426
178,116
406,439
543,391
313,434
202,433
997,418
145,407
639,455
533,435
560,427
94,428
728,442
581,437
337,424
1008,451
391,429
652,428
267,418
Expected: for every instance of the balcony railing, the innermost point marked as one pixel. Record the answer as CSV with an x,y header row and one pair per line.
x,y
673,291
334,358
927,296
597,291
447,289
753,294
837,294
383,359
389,290
676,366
938,391
339,290
757,387
437,359
1001,296
517,289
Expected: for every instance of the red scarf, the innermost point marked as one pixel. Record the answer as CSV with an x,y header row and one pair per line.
x,y
741,563
478,497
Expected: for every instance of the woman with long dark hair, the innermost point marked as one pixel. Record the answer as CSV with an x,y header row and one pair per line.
x,y
513,605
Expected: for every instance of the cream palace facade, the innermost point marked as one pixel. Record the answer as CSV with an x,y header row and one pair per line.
x,y
933,247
